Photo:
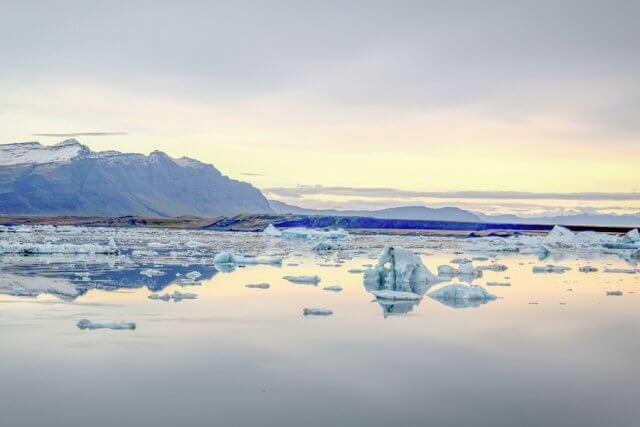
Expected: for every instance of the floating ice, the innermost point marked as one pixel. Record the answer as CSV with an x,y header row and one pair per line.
x,y
258,285
461,296
466,269
231,259
325,246
334,288
178,296
297,233
165,297
587,269
550,269
493,267
87,324
399,269
356,271
317,312
460,261
313,280
632,236
193,275
614,293
152,272
563,238
271,231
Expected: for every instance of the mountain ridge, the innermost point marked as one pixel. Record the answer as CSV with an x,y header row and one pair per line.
x,y
68,178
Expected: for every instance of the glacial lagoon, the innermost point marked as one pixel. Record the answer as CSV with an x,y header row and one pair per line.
x,y
553,348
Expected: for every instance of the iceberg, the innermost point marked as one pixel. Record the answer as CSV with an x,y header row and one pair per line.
x,y
317,312
632,236
563,238
399,269
8,247
466,269
271,231
614,293
550,269
334,288
498,284
325,246
587,269
179,296
301,233
87,324
493,267
311,280
231,259
193,275
620,270
165,297
461,296
258,285
152,272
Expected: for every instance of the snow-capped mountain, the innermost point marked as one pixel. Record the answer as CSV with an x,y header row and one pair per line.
x,y
70,179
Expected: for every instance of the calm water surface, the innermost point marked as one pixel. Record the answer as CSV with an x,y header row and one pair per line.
x,y
552,350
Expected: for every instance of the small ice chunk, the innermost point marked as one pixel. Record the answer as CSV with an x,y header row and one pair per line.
x,y
493,267
87,324
614,293
165,297
151,272
178,296
317,312
193,275
313,280
334,288
587,269
460,261
396,295
550,269
356,271
258,285
325,246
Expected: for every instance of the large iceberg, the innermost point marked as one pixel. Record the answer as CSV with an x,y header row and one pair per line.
x,y
399,270
563,238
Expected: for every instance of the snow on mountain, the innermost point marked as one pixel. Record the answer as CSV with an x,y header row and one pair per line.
x,y
70,179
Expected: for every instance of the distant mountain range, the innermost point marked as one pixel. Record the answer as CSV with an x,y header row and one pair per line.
x,y
70,179
456,214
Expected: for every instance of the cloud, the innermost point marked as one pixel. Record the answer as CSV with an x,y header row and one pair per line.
x,y
74,134
302,191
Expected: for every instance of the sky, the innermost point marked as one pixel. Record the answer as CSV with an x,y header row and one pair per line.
x,y
508,100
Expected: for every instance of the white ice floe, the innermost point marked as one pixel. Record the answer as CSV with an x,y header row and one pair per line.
x,y
312,280
460,261
87,324
396,295
614,293
492,267
456,291
258,285
152,272
231,259
165,297
325,246
498,284
193,275
271,231
334,288
399,269
178,296
297,233
550,269
317,312
466,269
